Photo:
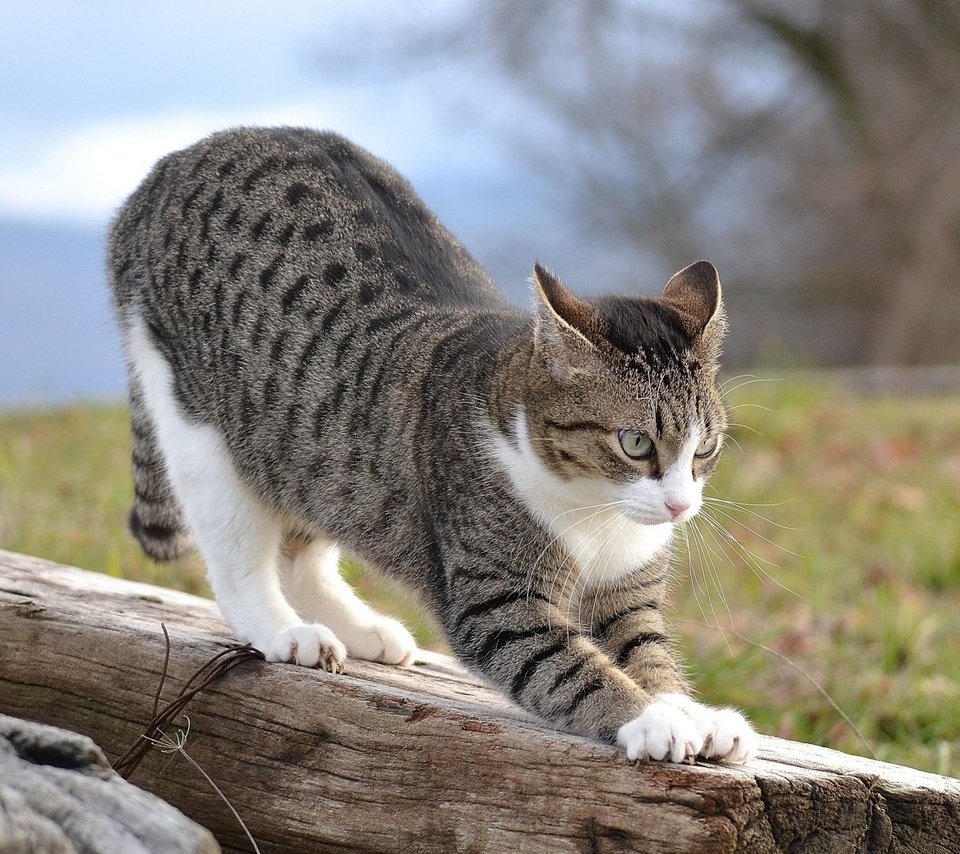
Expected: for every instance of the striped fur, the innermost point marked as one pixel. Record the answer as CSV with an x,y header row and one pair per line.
x,y
156,519
312,322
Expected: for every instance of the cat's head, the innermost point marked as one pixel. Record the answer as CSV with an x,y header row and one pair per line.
x,y
622,403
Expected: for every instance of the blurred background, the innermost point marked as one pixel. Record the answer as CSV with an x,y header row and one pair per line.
x,y
808,148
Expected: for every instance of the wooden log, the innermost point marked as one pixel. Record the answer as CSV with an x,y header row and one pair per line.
x,y
423,759
58,793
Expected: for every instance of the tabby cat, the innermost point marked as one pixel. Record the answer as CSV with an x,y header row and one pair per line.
x,y
317,364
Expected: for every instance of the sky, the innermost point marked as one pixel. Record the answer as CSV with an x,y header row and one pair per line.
x,y
91,95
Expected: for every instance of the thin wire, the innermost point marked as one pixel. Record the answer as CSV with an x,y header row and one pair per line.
x,y
215,668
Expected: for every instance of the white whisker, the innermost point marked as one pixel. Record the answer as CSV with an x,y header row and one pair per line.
x,y
745,508
691,570
704,555
749,379
711,567
727,515
753,561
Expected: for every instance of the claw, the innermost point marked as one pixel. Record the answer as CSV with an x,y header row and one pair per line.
x,y
331,665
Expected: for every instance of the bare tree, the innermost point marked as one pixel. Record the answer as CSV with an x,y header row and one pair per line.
x,y
887,188
810,147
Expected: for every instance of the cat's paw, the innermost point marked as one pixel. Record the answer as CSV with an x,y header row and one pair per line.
x,y
734,740
383,640
310,645
662,731
727,735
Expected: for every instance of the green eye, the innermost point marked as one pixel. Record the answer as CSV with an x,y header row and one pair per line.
x,y
636,445
707,447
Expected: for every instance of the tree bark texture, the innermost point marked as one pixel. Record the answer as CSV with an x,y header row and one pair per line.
x,y
424,759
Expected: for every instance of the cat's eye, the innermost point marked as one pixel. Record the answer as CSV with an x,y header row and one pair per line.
x,y
636,445
707,447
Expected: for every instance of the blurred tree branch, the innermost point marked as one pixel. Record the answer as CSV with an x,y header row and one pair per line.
x,y
892,71
808,146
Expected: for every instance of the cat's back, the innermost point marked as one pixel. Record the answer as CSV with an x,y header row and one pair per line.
x,y
298,293
305,211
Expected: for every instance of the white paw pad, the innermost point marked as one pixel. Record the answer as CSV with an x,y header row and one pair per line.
x,y
384,640
309,645
661,732
727,735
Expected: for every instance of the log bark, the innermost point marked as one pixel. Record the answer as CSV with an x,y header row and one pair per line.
x,y
59,794
424,759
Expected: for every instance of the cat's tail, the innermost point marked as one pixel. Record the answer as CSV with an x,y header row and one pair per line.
x,y
156,519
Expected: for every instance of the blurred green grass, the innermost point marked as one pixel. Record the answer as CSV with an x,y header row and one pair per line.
x,y
837,586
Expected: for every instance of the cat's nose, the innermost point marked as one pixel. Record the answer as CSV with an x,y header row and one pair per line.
x,y
677,506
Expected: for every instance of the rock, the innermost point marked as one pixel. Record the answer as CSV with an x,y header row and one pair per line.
x,y
58,793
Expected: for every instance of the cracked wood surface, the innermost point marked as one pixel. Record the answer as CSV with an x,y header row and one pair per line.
x,y
418,760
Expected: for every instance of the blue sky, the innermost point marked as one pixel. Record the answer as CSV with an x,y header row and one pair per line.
x,y
92,94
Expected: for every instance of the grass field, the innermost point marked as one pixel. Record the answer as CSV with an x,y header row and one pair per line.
x,y
827,609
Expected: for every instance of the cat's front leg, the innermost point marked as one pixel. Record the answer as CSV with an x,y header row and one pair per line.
x,y
633,633
526,645
630,627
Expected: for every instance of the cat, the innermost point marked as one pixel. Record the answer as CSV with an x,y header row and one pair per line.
x,y
317,364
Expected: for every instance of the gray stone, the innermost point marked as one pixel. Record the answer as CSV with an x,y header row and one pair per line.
x,y
58,793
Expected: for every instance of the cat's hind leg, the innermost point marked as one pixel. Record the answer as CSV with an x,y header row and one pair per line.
x,y
236,533
240,541
314,586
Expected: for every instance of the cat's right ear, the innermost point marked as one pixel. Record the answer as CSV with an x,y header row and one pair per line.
x,y
564,327
567,310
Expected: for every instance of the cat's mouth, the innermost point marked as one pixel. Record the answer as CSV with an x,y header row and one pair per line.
x,y
645,516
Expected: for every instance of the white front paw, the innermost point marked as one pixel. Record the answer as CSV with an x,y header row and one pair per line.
x,y
727,735
310,645
663,732
734,740
384,640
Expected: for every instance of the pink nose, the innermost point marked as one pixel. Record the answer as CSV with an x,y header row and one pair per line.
x,y
677,506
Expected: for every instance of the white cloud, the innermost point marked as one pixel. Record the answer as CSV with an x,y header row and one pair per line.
x,y
87,172
84,174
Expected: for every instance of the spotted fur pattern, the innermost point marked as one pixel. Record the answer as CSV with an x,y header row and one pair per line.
x,y
349,378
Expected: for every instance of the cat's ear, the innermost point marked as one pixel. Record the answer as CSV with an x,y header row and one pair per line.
x,y
694,293
564,308
566,326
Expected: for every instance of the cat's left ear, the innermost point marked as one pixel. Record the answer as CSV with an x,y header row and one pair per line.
x,y
694,293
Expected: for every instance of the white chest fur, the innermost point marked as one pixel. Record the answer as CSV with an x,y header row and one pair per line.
x,y
604,543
